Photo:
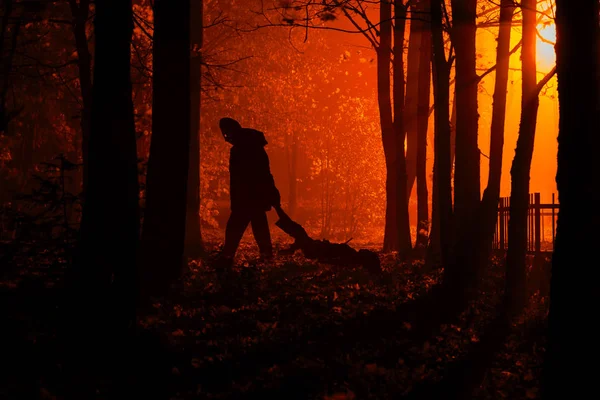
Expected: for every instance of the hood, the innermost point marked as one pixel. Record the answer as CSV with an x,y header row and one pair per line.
x,y
250,137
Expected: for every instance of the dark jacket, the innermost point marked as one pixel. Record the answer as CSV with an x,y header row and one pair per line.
x,y
252,187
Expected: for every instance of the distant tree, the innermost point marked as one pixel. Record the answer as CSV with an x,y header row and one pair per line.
x,y
480,244
574,296
442,165
467,169
396,159
421,16
163,233
387,39
521,166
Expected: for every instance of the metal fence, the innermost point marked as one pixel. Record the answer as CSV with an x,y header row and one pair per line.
x,y
541,224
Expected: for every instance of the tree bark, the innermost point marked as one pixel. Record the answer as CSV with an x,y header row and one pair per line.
x,y
102,282
412,95
442,167
292,173
402,215
163,232
106,255
473,246
193,235
521,166
424,92
79,13
384,98
466,170
574,296
491,195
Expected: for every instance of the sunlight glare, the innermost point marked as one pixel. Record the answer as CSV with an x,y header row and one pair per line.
x,y
545,45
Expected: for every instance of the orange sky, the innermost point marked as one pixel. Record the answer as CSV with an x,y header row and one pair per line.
x,y
543,168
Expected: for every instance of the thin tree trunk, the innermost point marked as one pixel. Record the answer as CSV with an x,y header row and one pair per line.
x,y
193,235
80,13
163,234
521,166
491,195
424,93
574,296
402,215
412,96
442,166
466,170
453,132
384,97
293,175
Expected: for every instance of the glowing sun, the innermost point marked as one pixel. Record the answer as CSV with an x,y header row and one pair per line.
x,y
545,45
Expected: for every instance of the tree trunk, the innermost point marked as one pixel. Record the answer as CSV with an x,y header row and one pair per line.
x,y
442,167
412,95
422,124
402,215
466,170
80,12
292,174
193,235
574,296
453,132
163,232
489,203
384,97
103,280
110,220
521,166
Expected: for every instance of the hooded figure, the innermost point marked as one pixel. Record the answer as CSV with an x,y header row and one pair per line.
x,y
252,188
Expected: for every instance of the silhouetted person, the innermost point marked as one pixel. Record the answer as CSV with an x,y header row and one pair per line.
x,y
252,188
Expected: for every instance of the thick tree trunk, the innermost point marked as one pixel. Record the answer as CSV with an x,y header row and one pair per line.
x,y
424,92
574,296
102,281
193,234
384,97
163,233
79,13
521,166
442,167
466,171
402,215
110,220
473,246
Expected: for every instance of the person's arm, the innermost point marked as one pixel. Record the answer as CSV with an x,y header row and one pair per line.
x,y
267,182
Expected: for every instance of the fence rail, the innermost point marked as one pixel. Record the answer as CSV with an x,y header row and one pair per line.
x,y
541,224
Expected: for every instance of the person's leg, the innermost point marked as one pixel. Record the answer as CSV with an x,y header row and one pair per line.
x,y
236,226
260,229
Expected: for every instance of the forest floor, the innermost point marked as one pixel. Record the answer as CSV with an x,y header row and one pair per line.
x,y
293,329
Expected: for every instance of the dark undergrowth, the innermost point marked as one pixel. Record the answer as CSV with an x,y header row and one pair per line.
x,y
290,330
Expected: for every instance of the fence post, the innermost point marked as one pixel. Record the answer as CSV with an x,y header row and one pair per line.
x,y
538,225
553,221
501,223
